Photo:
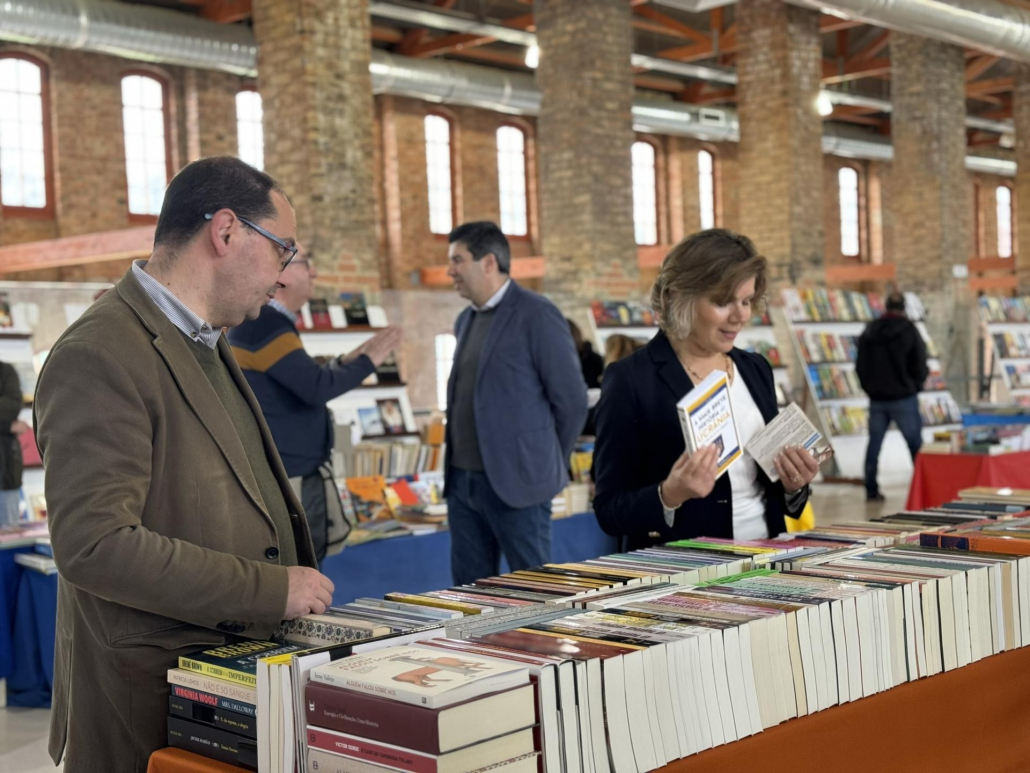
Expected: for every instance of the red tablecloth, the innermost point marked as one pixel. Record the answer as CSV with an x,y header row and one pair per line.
x,y
939,477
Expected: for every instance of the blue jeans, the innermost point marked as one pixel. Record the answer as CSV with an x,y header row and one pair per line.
x,y
904,413
482,527
10,506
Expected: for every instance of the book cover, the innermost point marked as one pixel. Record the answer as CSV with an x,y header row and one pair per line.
x,y
235,662
213,700
354,308
212,743
320,319
371,422
327,629
392,416
420,676
706,416
389,372
213,716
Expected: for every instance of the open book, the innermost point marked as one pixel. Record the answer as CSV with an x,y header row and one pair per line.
x,y
790,428
706,415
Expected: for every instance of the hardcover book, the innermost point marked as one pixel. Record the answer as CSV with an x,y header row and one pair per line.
x,y
213,716
706,416
235,662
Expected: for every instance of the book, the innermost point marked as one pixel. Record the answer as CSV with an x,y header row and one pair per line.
x,y
230,691
371,422
210,699
212,743
706,416
392,416
420,676
354,308
790,428
320,319
389,372
213,716
326,762
235,662
433,731
399,758
327,629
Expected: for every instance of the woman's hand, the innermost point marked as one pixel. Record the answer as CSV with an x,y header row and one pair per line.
x,y
796,468
692,477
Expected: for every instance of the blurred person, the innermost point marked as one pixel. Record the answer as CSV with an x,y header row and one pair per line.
x,y
516,402
649,490
293,389
619,347
891,367
173,523
10,447
591,363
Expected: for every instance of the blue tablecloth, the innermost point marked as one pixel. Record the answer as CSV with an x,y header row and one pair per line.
x,y
418,564
10,572
987,419
407,564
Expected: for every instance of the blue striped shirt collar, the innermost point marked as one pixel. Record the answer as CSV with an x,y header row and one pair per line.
x,y
283,310
192,326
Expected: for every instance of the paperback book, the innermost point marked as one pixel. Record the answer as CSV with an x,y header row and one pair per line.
x,y
706,416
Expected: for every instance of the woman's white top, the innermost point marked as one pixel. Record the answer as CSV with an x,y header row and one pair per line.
x,y
748,492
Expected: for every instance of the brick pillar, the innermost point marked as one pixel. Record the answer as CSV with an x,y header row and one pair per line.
x,y
210,108
313,60
1021,110
780,155
585,133
931,202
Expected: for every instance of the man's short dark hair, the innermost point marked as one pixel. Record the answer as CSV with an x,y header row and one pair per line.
x,y
483,238
206,186
895,302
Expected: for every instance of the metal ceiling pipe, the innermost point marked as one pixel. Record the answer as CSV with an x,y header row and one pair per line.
x,y
451,21
151,34
988,25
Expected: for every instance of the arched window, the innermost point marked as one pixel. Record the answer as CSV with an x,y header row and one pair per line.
x,y
249,131
847,185
706,187
645,193
25,164
146,142
445,347
511,177
438,174
1003,197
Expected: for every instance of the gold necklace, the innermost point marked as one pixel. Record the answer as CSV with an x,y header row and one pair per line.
x,y
697,379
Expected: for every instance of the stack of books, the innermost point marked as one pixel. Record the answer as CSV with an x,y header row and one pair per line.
x,y
421,709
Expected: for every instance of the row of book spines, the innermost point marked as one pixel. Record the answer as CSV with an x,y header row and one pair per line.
x,y
212,700
214,716
228,674
212,742
966,541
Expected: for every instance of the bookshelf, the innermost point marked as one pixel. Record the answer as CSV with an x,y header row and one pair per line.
x,y
825,326
1005,330
637,321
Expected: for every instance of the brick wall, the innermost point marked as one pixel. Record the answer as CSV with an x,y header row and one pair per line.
x,y
983,194
1021,111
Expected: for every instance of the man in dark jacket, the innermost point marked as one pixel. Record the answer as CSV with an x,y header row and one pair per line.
x,y
891,367
10,448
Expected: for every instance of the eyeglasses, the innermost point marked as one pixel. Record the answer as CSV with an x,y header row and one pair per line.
x,y
289,251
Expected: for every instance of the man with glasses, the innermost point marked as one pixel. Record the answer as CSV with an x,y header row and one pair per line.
x,y
293,390
173,523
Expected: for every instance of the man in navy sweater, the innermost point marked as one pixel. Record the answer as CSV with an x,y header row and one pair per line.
x,y
293,389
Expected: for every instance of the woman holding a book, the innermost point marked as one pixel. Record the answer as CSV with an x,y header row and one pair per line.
x,y
650,489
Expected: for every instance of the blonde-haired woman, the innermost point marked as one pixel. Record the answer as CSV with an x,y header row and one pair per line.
x,y
648,489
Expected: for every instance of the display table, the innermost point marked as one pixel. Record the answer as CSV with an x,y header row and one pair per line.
x,y
180,761
939,477
418,564
10,574
992,419
970,719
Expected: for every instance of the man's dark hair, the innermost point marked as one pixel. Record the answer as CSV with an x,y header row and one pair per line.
x,y
206,186
895,302
482,238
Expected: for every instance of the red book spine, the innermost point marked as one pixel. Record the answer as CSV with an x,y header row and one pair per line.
x,y
377,719
370,751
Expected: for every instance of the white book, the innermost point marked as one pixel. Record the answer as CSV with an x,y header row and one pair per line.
x,y
791,427
706,416
421,676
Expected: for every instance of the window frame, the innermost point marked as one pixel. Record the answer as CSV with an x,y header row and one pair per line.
x,y
1012,222
454,171
166,114
251,87
47,212
525,169
716,188
859,213
656,149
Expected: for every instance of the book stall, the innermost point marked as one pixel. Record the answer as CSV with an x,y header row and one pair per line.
x,y
697,653
825,326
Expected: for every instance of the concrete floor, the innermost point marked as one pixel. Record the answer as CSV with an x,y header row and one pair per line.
x,y
23,732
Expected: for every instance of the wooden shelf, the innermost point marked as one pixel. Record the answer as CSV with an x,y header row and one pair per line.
x,y
400,385
390,437
21,335
337,330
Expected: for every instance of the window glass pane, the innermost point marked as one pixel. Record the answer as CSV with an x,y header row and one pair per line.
x,y
22,157
146,148
706,188
645,213
445,346
511,173
847,182
1004,202
438,174
249,131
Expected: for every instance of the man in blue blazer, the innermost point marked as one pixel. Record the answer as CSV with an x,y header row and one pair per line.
x,y
516,401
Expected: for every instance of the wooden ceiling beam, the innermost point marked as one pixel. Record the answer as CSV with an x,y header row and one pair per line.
x,y
717,97
854,70
872,49
226,11
386,34
980,65
989,86
657,83
828,23
839,114
414,38
448,44
674,25
486,55
77,250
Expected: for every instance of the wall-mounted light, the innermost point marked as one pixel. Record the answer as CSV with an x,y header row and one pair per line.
x,y
823,104
533,57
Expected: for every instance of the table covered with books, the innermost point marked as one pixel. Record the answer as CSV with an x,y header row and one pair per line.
x,y
939,477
